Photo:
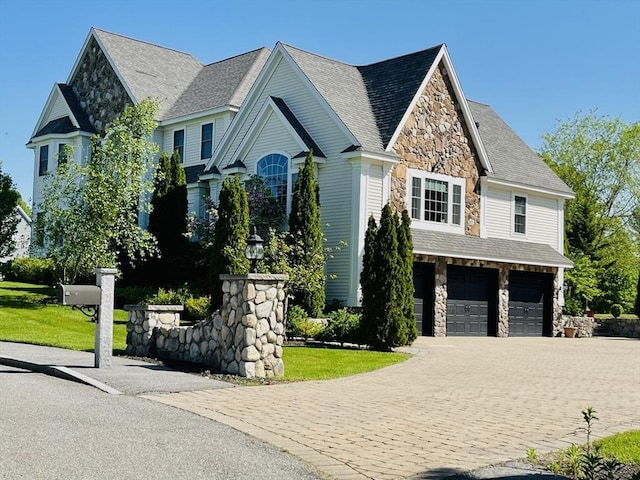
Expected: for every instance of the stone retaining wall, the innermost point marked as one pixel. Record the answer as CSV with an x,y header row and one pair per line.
x,y
244,337
618,327
142,322
585,326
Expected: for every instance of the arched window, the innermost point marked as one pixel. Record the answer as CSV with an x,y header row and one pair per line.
x,y
273,170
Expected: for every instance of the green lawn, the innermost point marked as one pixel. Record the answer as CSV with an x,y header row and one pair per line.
x,y
624,447
26,318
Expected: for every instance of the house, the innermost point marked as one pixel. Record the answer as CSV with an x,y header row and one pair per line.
x,y
21,237
487,213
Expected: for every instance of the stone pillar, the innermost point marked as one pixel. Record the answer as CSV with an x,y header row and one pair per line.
x,y
252,330
503,301
141,323
440,296
558,302
105,279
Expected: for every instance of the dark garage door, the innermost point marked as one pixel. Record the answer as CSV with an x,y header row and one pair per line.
x,y
471,301
529,304
423,285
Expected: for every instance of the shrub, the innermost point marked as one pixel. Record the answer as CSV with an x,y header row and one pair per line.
x,y
131,295
197,308
616,310
32,270
299,324
343,326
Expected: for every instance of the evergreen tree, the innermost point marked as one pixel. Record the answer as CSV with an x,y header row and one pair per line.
x,y
405,254
305,228
230,236
368,281
9,197
637,309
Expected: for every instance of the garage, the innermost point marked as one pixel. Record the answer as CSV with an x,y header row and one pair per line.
x,y
471,301
423,286
530,305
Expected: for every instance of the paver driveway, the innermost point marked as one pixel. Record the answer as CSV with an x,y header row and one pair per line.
x,y
458,404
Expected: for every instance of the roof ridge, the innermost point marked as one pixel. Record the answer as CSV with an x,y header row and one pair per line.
x,y
435,47
147,43
318,55
236,56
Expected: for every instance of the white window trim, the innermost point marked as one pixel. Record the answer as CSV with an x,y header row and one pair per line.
x,y
213,138
437,226
291,169
183,160
513,214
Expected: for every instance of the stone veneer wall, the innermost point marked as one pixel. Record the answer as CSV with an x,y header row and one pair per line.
x,y
585,326
244,337
142,322
440,297
618,327
101,94
435,139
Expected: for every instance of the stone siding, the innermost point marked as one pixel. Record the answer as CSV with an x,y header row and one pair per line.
x,y
436,139
618,327
100,92
142,322
585,326
244,337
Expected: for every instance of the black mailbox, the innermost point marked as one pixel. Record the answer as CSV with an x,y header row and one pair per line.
x,y
79,295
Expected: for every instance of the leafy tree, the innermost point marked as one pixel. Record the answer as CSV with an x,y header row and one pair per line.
x,y
265,211
598,157
383,319
231,231
90,212
405,254
25,207
9,198
305,228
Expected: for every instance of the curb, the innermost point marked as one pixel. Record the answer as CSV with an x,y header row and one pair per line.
x,y
64,373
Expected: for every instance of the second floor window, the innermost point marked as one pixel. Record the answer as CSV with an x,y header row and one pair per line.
x,y
520,214
43,164
63,154
273,169
206,148
436,200
178,143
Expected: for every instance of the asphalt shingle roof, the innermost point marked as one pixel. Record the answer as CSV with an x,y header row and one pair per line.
x,y
76,109
512,159
59,125
193,172
496,249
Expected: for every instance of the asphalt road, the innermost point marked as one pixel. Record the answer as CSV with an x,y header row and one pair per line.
x,y
56,429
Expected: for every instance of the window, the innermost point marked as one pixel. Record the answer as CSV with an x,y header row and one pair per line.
x,y
273,169
436,200
178,143
207,141
519,214
44,160
63,154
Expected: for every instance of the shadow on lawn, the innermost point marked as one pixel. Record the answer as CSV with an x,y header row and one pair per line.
x,y
20,301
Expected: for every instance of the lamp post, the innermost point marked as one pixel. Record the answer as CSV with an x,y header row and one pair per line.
x,y
254,250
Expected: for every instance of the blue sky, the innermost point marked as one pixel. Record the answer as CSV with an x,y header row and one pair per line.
x,y
534,61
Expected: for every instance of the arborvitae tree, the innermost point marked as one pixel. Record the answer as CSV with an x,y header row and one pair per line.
x,y
305,228
230,236
177,205
405,254
386,323
161,187
368,281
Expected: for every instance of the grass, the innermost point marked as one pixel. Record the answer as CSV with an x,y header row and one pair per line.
x,y
624,447
311,363
26,317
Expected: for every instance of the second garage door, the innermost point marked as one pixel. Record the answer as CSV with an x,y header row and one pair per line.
x,y
529,304
471,301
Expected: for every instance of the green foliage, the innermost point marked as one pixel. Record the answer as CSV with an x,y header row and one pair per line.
x,y
383,298
624,447
616,310
343,326
91,211
265,212
9,218
300,325
598,158
305,228
131,295
231,231
637,306
196,307
405,254
24,206
582,284
31,270
532,455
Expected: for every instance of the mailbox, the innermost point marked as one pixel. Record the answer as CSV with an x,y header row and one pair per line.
x,y
79,295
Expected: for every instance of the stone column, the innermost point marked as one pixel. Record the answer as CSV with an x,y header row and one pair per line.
x,y
440,296
105,279
558,302
503,301
252,330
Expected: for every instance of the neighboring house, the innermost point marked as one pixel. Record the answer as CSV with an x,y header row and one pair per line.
x,y
488,214
22,237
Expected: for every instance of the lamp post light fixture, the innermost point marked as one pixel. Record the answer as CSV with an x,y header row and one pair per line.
x,y
254,250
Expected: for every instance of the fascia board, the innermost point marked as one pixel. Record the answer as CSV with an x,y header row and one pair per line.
x,y
195,116
444,253
371,157
529,188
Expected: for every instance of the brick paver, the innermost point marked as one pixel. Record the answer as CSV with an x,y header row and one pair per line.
x,y
458,404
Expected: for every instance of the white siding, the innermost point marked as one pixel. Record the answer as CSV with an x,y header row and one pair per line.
x,y
541,217
374,192
274,138
59,109
193,137
334,177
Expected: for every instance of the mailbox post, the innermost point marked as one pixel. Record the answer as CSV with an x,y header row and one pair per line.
x,y
100,299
